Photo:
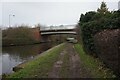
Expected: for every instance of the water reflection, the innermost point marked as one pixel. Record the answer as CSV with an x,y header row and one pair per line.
x,y
12,56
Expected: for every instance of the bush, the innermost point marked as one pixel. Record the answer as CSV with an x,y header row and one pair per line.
x,y
91,25
18,36
106,44
97,23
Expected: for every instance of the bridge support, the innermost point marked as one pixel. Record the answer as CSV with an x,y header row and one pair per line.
x,y
45,38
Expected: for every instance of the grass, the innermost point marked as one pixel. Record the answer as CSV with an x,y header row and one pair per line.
x,y
40,66
95,66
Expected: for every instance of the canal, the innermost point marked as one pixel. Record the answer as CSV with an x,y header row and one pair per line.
x,y
14,55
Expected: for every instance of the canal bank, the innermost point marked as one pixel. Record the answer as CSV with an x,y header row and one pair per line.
x,y
64,61
40,65
22,65
22,35
15,55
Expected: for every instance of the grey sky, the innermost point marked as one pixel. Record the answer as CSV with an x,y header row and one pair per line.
x,y
0,13
48,13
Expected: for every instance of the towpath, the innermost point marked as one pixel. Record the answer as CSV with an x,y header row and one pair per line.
x,y
69,65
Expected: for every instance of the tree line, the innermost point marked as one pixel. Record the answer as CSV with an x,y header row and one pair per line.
x,y
102,21
93,22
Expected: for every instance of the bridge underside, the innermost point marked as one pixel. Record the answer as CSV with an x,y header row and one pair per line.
x,y
55,33
56,37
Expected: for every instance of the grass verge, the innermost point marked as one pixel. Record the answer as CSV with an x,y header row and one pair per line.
x,y
40,66
95,66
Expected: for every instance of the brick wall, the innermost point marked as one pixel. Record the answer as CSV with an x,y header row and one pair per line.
x,y
36,34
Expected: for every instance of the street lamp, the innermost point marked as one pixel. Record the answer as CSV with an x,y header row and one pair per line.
x,y
9,18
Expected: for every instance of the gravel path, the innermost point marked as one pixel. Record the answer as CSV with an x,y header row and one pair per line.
x,y
69,65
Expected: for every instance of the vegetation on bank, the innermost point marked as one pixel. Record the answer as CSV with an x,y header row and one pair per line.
x,y
94,22
40,66
95,66
106,44
20,36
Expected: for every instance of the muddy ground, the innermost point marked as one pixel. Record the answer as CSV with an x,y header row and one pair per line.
x,y
69,65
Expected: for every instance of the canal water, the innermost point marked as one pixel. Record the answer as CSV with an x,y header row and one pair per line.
x,y
14,55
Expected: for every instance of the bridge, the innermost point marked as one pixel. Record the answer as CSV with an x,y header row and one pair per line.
x,y
57,33
60,31
69,29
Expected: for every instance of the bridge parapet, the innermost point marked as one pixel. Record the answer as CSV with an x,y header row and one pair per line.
x,y
57,27
58,30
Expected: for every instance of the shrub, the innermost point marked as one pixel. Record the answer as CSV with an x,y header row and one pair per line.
x,y
97,23
18,36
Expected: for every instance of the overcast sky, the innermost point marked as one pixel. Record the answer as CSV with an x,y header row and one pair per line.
x,y
48,13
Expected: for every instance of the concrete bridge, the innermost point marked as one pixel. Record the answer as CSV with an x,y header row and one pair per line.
x,y
69,29
57,32
60,31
